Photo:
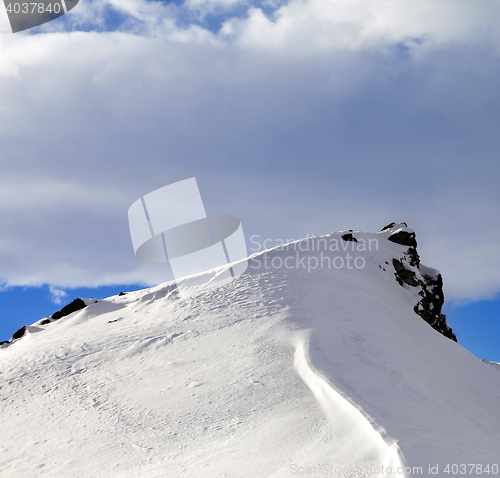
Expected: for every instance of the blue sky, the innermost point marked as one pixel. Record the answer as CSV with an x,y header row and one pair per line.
x,y
25,305
298,117
477,327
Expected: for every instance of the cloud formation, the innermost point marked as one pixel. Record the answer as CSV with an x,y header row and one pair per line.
x,y
57,295
309,115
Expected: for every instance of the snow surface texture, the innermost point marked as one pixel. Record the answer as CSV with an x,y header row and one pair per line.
x,y
283,370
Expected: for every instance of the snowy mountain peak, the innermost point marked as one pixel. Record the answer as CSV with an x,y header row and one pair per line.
x,y
314,357
426,283
393,248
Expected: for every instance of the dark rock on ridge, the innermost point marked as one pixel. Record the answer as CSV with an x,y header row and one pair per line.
x,y
404,275
349,237
404,238
428,284
429,306
19,333
77,304
391,225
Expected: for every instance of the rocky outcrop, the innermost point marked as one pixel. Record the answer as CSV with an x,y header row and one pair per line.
x,y
429,306
391,226
404,275
349,237
77,304
405,238
19,333
427,283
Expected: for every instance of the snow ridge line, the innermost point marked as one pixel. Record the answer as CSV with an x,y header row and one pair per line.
x,y
349,421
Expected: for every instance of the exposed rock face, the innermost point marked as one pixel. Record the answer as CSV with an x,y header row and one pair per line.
x,y
391,225
426,282
19,333
429,307
404,238
77,304
404,275
349,237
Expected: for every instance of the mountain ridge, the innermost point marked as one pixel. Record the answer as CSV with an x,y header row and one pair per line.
x,y
283,369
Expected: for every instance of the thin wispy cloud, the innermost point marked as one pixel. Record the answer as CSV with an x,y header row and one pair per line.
x,y
57,295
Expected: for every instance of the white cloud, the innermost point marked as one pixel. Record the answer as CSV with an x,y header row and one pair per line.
x,y
322,115
57,295
303,26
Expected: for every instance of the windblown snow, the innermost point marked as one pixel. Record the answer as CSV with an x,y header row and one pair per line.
x,y
289,370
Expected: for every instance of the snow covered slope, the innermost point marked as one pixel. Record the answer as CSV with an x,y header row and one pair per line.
x,y
312,361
